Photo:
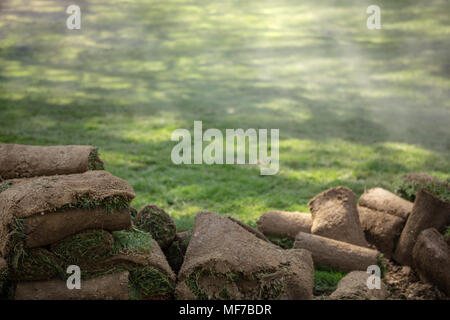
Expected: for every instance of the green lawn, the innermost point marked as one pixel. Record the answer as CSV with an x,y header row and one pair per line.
x,y
354,107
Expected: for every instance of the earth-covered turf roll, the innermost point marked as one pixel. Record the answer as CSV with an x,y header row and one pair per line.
x,y
382,200
22,161
335,216
429,211
107,287
284,224
381,229
43,210
225,261
335,254
36,264
431,258
158,223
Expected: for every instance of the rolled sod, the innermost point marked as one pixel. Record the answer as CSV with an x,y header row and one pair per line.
x,y
98,253
84,248
36,264
429,211
106,287
50,228
335,216
22,161
431,259
382,200
52,208
284,224
158,223
381,229
335,254
225,261
135,251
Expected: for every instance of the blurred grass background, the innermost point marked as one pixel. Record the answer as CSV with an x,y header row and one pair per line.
x,y
355,107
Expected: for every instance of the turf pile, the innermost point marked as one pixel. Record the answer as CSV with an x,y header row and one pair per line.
x,y
48,223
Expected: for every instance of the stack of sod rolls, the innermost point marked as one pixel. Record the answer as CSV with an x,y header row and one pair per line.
x,y
48,223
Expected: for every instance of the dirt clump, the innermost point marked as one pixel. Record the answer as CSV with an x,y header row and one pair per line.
x,y
404,284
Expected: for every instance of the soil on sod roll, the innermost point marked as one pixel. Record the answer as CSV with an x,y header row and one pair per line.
x,y
335,216
284,224
21,161
382,200
429,211
335,254
36,264
52,208
431,258
354,287
381,229
176,251
225,261
107,287
158,223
